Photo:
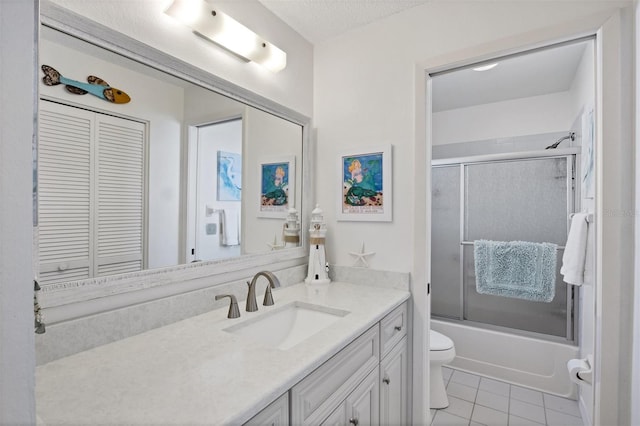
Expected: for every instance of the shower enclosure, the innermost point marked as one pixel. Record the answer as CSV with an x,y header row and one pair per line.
x,y
502,197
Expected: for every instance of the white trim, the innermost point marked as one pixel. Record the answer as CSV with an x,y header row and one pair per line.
x,y
18,59
602,24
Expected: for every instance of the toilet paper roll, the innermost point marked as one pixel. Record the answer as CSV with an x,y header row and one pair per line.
x,y
576,366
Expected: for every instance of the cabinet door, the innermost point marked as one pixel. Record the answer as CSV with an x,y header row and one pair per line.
x,y
338,417
394,387
276,414
363,402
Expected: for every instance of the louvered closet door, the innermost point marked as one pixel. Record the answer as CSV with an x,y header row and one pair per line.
x,y
91,193
120,195
64,193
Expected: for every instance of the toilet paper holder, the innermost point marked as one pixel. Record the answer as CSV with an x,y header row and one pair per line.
x,y
581,370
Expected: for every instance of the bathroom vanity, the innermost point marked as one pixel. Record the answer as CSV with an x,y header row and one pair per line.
x,y
351,368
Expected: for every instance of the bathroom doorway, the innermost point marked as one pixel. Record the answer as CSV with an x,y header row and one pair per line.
x,y
218,190
513,147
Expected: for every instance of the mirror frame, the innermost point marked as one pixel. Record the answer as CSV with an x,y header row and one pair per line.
x,y
181,278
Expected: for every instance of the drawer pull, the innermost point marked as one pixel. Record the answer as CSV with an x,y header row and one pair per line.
x,y
398,328
353,421
386,380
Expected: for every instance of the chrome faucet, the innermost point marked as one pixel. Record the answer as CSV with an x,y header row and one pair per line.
x,y
252,306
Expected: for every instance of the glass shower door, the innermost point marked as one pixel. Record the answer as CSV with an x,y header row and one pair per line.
x,y
446,297
520,200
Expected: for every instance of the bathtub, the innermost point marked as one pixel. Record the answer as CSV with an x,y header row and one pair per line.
x,y
522,361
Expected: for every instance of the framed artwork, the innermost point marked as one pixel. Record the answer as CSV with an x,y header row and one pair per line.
x,y
229,176
277,186
365,185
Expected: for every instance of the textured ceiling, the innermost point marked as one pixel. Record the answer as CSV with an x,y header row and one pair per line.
x,y
319,20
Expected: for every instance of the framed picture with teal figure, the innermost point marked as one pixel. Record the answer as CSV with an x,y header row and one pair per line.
x,y
365,185
277,186
229,176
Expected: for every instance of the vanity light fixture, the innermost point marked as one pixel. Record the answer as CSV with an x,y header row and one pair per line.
x,y
218,27
486,67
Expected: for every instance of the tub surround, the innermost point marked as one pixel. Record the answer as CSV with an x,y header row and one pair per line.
x,y
193,372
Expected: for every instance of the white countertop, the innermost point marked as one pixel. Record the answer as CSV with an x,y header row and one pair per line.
x,y
193,372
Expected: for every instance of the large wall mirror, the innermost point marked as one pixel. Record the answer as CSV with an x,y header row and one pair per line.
x,y
184,173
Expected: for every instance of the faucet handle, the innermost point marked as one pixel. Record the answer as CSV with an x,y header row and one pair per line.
x,y
234,312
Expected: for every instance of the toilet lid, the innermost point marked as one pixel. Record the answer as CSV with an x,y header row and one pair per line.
x,y
439,342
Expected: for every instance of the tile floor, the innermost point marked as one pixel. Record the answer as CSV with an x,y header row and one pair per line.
x,y
476,400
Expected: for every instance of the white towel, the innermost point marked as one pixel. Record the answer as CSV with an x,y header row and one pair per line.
x,y
575,252
230,224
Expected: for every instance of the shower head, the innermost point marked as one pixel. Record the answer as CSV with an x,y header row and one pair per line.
x,y
572,136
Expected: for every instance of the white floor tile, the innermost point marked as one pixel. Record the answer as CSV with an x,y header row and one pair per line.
x,y
446,373
555,418
526,395
489,416
494,386
492,400
489,402
459,407
563,405
527,411
461,391
442,418
519,421
466,379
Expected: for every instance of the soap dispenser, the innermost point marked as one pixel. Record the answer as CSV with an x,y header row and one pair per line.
x,y
318,273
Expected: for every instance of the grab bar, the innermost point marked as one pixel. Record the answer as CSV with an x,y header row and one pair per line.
x,y
470,243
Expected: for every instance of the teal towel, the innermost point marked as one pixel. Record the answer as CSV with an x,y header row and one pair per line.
x,y
518,269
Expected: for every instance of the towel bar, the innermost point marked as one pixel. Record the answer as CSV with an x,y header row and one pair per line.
x,y
470,243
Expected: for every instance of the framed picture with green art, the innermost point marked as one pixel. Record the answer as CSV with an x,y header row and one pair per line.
x,y
365,185
277,186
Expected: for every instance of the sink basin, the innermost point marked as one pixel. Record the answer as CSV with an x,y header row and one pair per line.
x,y
285,327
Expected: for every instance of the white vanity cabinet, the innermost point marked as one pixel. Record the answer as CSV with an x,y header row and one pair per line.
x,y
364,384
276,414
394,386
394,368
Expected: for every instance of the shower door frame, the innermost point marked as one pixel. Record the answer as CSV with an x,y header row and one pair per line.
x,y
572,156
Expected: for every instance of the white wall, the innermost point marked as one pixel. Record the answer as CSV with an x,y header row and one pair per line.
x,y
201,107
17,77
635,373
146,22
582,88
517,117
366,86
266,138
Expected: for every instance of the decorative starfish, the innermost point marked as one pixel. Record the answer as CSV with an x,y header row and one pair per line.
x,y
362,256
275,245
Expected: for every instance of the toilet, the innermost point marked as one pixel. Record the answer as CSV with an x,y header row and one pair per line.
x,y
441,351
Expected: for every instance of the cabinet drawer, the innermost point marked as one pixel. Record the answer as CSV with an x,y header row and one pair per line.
x,y
320,393
393,328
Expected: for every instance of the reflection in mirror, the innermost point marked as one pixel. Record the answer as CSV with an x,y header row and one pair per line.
x,y
178,174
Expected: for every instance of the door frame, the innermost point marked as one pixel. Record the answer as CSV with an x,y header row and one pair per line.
x,y
614,197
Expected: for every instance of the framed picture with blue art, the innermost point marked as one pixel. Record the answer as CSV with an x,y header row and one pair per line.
x,y
277,186
365,185
229,176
